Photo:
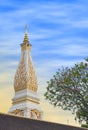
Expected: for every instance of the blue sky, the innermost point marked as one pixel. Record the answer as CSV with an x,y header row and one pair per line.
x,y
58,32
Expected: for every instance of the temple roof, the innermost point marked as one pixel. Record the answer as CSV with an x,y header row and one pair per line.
x,y
9,122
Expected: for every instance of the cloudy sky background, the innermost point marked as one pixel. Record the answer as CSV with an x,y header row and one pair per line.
x,y
58,32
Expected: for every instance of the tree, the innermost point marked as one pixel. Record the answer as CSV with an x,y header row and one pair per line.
x,y
68,89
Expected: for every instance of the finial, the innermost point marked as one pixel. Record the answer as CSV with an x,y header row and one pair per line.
x,y
26,35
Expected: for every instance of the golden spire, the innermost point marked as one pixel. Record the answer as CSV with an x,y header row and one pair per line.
x,y
25,76
26,35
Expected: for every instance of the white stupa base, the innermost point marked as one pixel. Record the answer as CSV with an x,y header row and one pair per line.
x,y
27,108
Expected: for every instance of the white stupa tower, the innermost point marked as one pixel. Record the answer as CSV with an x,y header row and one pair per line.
x,y
25,101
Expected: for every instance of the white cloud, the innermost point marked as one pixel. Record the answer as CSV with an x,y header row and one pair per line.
x,y
75,50
70,49
81,23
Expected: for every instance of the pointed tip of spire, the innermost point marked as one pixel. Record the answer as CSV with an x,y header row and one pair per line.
x,y
26,28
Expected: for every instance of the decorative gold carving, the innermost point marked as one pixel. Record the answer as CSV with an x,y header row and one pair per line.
x,y
18,112
26,46
35,114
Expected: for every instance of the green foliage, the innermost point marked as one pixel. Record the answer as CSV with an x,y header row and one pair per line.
x,y
68,89
84,125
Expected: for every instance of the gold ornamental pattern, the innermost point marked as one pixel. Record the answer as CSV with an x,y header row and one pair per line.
x,y
25,76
